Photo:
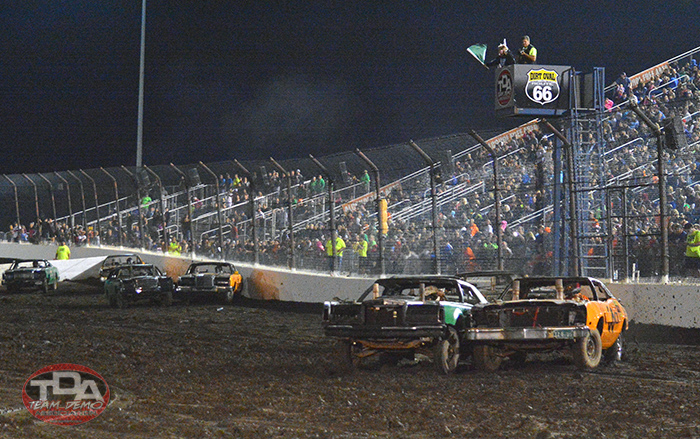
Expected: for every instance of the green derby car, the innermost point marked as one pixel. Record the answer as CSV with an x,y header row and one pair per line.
x,y
31,274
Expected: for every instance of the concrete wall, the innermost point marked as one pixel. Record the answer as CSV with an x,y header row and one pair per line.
x,y
673,305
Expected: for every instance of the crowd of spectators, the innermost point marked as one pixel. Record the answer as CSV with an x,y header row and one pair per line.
x,y
466,229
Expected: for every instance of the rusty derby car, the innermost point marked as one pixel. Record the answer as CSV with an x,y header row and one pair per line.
x,y
399,317
218,279
542,314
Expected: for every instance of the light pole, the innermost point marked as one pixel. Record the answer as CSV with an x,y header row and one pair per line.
x,y
139,133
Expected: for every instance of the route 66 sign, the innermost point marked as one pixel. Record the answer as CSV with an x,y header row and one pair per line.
x,y
542,86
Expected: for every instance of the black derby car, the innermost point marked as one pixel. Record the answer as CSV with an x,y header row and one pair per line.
x,y
130,283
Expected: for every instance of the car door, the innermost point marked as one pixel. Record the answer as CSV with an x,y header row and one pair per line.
x,y
612,314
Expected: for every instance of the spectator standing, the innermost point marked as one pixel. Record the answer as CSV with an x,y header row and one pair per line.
x,y
692,250
361,247
63,252
365,179
339,247
527,53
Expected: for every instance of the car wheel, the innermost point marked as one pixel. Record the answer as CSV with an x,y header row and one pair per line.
x,y
120,300
486,358
587,351
518,358
167,298
351,354
447,352
616,352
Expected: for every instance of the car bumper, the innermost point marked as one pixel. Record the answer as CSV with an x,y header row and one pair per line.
x,y
215,290
25,283
145,294
526,334
384,332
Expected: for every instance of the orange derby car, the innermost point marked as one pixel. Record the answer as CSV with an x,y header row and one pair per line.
x,y
550,313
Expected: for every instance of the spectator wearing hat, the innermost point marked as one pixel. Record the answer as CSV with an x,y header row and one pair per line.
x,y
504,57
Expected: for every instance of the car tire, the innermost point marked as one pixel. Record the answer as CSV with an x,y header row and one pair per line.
x,y
350,354
518,358
616,352
120,300
167,299
587,351
447,350
486,358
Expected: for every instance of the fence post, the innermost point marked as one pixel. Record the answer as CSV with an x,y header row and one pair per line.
x,y
119,212
433,195
70,207
189,211
251,199
218,208
288,176
380,235
14,186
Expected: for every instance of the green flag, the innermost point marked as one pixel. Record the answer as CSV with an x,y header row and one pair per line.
x,y
478,51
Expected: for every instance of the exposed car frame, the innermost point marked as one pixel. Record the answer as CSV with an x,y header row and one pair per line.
x,y
550,313
401,316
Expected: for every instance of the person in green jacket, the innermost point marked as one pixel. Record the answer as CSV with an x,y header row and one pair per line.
x,y
63,251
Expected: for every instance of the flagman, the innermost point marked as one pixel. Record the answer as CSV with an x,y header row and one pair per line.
x,y
504,57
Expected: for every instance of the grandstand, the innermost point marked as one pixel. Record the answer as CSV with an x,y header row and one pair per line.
x,y
208,209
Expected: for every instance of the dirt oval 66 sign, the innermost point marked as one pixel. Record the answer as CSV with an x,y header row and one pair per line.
x,y
542,86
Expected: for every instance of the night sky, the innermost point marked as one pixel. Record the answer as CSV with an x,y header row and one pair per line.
x,y
250,80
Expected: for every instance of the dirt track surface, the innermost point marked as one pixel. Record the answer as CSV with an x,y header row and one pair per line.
x,y
254,371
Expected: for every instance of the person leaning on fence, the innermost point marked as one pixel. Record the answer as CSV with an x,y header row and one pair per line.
x,y
692,250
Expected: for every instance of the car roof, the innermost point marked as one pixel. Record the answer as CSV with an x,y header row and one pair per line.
x,y
545,279
416,278
210,263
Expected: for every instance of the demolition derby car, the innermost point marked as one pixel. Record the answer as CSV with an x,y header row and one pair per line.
x,y
34,274
220,279
400,316
130,283
543,314
113,261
